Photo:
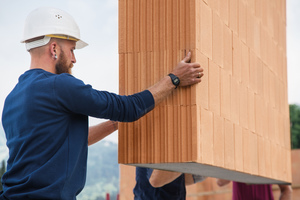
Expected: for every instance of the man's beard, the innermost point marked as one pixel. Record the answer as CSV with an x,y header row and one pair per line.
x,y
62,66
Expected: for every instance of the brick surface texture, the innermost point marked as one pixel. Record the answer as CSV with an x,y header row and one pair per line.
x,y
237,118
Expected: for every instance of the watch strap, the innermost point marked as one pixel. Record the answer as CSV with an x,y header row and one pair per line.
x,y
175,79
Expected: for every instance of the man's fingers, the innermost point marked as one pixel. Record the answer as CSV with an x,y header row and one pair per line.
x,y
195,65
199,74
187,58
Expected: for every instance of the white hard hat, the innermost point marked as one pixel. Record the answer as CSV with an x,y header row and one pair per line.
x,y
50,22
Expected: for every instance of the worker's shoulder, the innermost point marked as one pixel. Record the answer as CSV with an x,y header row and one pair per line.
x,y
67,78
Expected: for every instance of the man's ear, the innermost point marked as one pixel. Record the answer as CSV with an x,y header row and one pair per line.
x,y
53,47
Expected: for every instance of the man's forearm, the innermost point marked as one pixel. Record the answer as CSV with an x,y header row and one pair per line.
x,y
100,131
160,178
161,89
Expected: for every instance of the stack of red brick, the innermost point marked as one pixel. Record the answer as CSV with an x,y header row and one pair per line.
x,y
237,118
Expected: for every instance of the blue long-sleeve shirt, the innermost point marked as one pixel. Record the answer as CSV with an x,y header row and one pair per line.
x,y
143,190
45,119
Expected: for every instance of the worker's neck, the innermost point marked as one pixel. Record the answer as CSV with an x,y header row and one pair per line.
x,y
43,62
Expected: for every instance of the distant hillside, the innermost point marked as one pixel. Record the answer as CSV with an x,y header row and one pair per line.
x,y
3,148
102,169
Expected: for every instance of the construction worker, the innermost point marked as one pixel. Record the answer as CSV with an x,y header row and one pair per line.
x,y
45,117
162,185
243,191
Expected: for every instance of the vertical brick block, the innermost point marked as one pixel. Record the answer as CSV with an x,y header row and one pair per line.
x,y
276,126
227,54
169,26
224,11
258,115
259,77
184,133
156,27
245,65
253,154
268,156
246,150
233,15
236,61
202,88
207,136
197,25
206,30
242,21
256,35
225,94
271,114
214,88
263,44
191,21
129,28
219,142
122,72
122,27
272,89
258,9
251,5
238,148
176,27
266,84
177,128
235,101
149,25
170,131
251,110
196,133
287,137
261,156
243,109
265,120
253,71
229,145
136,27
182,24
217,40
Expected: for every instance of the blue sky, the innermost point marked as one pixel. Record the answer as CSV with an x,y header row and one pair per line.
x,y
97,64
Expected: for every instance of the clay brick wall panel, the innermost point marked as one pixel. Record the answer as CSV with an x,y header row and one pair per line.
x,y
233,122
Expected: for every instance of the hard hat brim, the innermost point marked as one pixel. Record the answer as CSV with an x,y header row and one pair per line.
x,y
81,44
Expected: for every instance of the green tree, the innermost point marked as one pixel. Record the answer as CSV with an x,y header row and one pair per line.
x,y
2,171
295,125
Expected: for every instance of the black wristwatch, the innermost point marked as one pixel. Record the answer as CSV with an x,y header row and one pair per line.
x,y
175,80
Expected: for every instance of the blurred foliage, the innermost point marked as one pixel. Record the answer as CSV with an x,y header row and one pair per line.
x,y
2,171
295,126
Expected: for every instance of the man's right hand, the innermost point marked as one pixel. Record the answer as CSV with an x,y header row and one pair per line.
x,y
188,73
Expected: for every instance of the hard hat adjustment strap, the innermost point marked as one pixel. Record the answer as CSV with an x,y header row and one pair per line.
x,y
66,37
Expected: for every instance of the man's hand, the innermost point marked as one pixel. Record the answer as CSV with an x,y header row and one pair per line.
x,y
285,192
188,73
222,182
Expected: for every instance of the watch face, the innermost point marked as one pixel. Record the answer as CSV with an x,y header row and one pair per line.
x,y
176,81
